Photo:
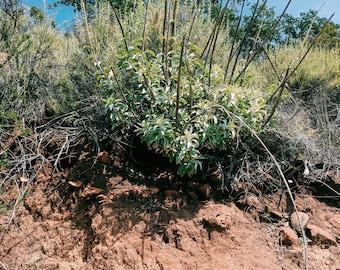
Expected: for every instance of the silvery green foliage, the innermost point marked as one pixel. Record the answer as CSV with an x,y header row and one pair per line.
x,y
139,95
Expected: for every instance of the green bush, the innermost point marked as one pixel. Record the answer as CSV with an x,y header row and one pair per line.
x,y
175,104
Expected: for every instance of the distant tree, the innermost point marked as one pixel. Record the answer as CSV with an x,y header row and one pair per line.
x,y
330,37
121,5
309,24
260,25
37,14
252,30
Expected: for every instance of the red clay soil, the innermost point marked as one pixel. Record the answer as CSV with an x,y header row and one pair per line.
x,y
89,217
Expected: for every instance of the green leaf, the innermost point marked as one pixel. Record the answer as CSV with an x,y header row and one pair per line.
x,y
99,77
150,52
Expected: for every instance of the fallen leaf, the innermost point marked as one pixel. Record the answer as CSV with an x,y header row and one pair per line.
x,y
23,179
334,175
90,191
154,190
83,156
112,196
170,192
75,183
146,194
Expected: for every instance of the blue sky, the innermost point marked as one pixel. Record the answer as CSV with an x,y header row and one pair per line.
x,y
65,15
62,15
326,7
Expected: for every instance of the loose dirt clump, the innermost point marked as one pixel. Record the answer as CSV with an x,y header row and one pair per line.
x,y
101,212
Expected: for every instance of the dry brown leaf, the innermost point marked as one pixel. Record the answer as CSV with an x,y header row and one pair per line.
x,y
90,191
154,190
75,183
170,192
334,175
146,194
83,156
23,179
112,196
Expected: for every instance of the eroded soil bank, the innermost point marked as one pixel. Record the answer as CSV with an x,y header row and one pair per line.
x,y
95,214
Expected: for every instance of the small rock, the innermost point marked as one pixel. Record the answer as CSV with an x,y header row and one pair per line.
x,y
216,221
294,221
320,236
288,237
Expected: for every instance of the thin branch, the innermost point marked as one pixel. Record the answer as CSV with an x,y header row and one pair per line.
x,y
239,51
264,41
219,21
119,23
179,81
231,53
144,26
164,27
194,18
173,21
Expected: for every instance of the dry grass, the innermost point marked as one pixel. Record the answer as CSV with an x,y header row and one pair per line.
x,y
3,58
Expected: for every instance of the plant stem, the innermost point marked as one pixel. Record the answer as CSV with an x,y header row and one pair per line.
x,y
232,51
144,26
219,23
119,23
179,82
245,36
263,42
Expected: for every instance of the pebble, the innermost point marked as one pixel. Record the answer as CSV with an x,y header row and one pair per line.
x,y
294,221
288,237
320,237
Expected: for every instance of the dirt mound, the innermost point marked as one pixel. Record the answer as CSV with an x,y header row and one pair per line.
x,y
91,216
210,236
